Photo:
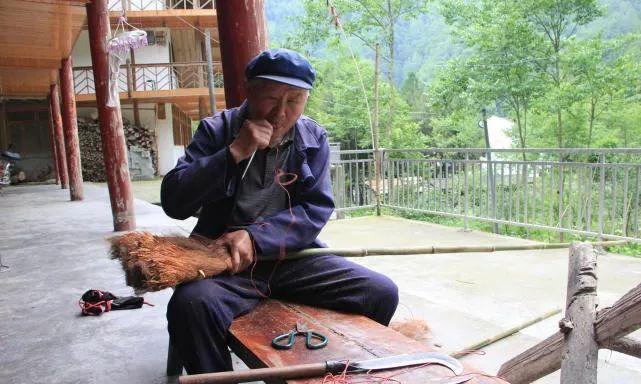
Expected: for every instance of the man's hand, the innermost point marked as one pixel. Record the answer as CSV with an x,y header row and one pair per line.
x,y
240,247
254,134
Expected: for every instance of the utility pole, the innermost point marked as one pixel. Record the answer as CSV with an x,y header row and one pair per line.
x,y
491,182
210,73
377,152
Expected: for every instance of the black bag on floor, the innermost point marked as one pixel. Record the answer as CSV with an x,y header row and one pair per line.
x,y
94,302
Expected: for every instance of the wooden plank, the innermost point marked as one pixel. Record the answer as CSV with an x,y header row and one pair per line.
x,y
580,349
158,96
621,319
545,357
626,345
350,337
170,18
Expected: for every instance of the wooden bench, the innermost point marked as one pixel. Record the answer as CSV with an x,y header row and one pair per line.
x,y
350,336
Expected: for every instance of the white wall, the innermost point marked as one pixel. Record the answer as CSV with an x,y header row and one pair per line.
x,y
168,153
157,53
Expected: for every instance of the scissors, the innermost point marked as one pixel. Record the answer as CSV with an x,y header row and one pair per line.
x,y
300,329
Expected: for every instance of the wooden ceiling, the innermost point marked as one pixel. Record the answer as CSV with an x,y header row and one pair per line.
x,y
35,36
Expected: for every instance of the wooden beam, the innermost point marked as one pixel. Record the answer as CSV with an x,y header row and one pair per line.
x,y
243,35
54,155
58,136
158,96
620,319
580,349
70,125
545,357
112,134
626,345
170,18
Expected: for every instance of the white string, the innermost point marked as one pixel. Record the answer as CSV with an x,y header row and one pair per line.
x,y
337,23
248,164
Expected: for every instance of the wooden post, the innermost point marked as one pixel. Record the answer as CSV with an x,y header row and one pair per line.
x,y
70,125
210,73
611,325
491,181
202,107
58,136
134,81
4,133
54,155
110,118
242,34
580,349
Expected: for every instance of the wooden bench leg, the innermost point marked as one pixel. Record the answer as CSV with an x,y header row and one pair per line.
x,y
174,362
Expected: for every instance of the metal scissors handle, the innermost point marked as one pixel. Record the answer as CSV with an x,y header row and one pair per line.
x,y
302,330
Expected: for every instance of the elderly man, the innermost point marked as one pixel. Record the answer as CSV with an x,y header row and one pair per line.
x,y
260,176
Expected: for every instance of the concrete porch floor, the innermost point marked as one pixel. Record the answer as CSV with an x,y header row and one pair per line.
x,y
56,250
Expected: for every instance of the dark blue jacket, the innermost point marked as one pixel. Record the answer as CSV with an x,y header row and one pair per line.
x,y
207,177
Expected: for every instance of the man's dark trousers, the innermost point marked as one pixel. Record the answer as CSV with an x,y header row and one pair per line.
x,y
200,312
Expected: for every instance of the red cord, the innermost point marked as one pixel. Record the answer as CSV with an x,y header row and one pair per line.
x,y
279,174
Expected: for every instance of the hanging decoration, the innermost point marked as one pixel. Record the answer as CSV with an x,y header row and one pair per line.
x,y
119,46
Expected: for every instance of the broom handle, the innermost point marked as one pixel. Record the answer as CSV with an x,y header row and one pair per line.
x,y
291,372
362,252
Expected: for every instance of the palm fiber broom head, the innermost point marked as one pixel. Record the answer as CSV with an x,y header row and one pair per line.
x,y
153,262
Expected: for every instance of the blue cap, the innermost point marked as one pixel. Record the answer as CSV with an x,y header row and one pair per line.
x,y
282,65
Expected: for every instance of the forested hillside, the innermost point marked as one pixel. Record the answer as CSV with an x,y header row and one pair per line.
x,y
566,72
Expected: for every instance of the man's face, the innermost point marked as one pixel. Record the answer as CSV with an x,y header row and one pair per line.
x,y
278,103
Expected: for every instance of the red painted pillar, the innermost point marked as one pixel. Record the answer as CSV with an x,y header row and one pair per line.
x,y
70,126
54,155
242,34
114,148
58,136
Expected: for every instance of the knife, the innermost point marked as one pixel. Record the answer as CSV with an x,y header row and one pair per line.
x,y
319,369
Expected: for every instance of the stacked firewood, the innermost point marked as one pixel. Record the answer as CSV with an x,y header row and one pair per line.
x,y
141,137
93,167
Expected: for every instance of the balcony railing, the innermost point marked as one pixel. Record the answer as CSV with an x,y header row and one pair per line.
x,y
594,192
152,77
158,5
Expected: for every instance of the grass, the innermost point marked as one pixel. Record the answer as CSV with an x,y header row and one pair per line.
x,y
630,249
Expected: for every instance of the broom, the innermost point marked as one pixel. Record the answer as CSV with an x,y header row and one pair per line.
x,y
154,262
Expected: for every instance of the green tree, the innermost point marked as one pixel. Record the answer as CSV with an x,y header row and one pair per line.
x,y
600,75
372,22
556,22
338,102
455,105
501,64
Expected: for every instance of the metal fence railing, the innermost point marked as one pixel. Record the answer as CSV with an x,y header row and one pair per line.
x,y
587,192
150,77
157,5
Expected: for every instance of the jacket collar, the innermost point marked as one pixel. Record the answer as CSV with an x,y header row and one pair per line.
x,y
304,138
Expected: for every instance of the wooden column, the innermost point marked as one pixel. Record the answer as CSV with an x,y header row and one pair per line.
x,y
4,132
54,155
580,349
58,136
70,125
110,119
242,34
202,107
